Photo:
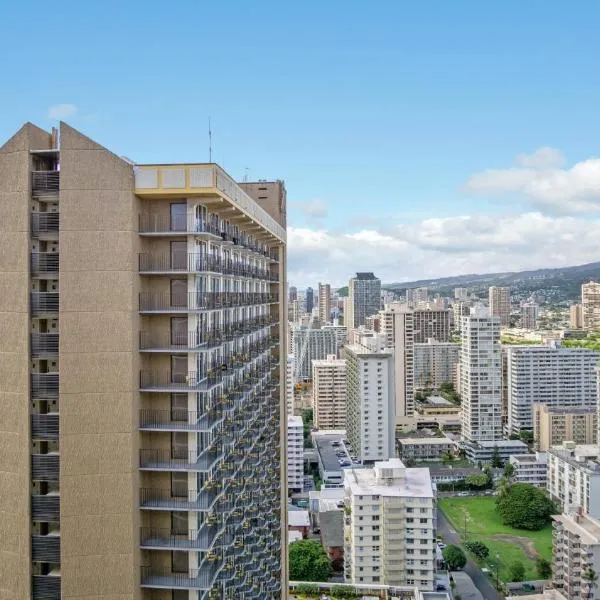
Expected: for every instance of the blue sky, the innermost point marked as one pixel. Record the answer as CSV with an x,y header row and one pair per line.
x,y
377,115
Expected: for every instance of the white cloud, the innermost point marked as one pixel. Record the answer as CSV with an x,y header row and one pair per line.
x,y
442,247
61,111
549,188
314,209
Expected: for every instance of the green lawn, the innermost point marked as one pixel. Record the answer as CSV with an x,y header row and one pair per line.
x,y
483,524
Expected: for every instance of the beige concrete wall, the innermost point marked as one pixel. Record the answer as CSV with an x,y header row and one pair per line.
x,y
15,518
98,372
270,195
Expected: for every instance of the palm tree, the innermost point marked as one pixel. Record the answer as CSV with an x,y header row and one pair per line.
x,y
503,486
509,471
590,577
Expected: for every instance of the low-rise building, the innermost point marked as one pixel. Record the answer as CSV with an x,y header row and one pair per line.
x,y
424,447
331,466
295,453
531,468
574,476
575,552
553,425
298,520
482,452
436,405
451,474
389,531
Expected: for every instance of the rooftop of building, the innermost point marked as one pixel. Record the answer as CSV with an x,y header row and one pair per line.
x,y
407,483
364,351
331,361
581,456
332,528
365,276
427,440
538,457
326,451
565,410
437,400
462,471
500,444
295,421
298,518
581,524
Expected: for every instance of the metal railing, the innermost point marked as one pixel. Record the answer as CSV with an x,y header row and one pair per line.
x,y
165,379
201,539
45,508
169,499
198,579
151,458
196,301
46,587
45,183
45,548
149,223
45,426
44,222
175,419
44,303
45,467
44,385
44,343
44,262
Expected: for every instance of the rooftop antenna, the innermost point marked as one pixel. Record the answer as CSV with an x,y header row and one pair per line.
x,y
209,142
246,175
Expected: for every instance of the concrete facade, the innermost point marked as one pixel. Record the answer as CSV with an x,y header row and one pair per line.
x,y
499,304
329,392
553,425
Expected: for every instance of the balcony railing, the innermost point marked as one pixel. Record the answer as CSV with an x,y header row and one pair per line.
x,y
45,548
168,460
195,579
195,301
44,263
177,420
44,385
166,381
45,467
44,343
161,499
46,587
184,224
44,223
202,539
45,508
43,303
44,183
44,426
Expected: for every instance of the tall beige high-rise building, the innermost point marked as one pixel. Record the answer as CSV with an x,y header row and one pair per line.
x,y
590,306
553,425
324,303
499,303
142,313
329,392
576,316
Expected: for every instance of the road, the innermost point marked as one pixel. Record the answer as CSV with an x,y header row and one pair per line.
x,y
481,581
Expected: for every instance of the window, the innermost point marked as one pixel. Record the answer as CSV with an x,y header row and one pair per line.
x,y
179,562
179,216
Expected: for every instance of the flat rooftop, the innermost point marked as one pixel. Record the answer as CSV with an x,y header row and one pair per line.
x,y
295,421
502,444
437,401
326,451
427,440
583,525
582,456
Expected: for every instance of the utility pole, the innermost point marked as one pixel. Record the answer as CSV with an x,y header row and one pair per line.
x,y
465,527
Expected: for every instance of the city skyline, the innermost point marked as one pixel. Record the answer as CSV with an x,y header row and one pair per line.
x,y
493,168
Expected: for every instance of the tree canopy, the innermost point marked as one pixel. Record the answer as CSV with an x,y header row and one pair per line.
x,y
517,571
308,561
455,558
543,568
479,549
524,506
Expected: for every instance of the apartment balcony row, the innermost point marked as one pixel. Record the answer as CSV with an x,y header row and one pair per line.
x,y
172,460
152,303
179,500
45,183
46,587
44,264
194,579
45,224
44,385
45,426
179,420
45,548
44,303
199,540
45,507
177,225
169,263
45,467
44,344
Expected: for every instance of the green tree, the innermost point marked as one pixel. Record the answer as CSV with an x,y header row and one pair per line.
x,y
517,571
496,461
478,549
543,568
308,561
526,436
503,486
455,558
509,470
448,457
590,577
524,506
477,480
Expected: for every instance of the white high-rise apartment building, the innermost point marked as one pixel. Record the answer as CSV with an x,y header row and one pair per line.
x,y
575,553
329,392
364,292
480,378
590,306
461,293
295,453
499,304
370,418
529,315
434,363
550,375
389,527
324,303
315,344
289,384
460,309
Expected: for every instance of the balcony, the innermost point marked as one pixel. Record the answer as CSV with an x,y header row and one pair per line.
x,y
46,587
156,225
191,500
44,224
178,420
167,460
44,303
194,579
45,508
44,426
178,263
165,381
151,302
166,539
44,183
44,344
44,386
45,548
44,264
45,467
